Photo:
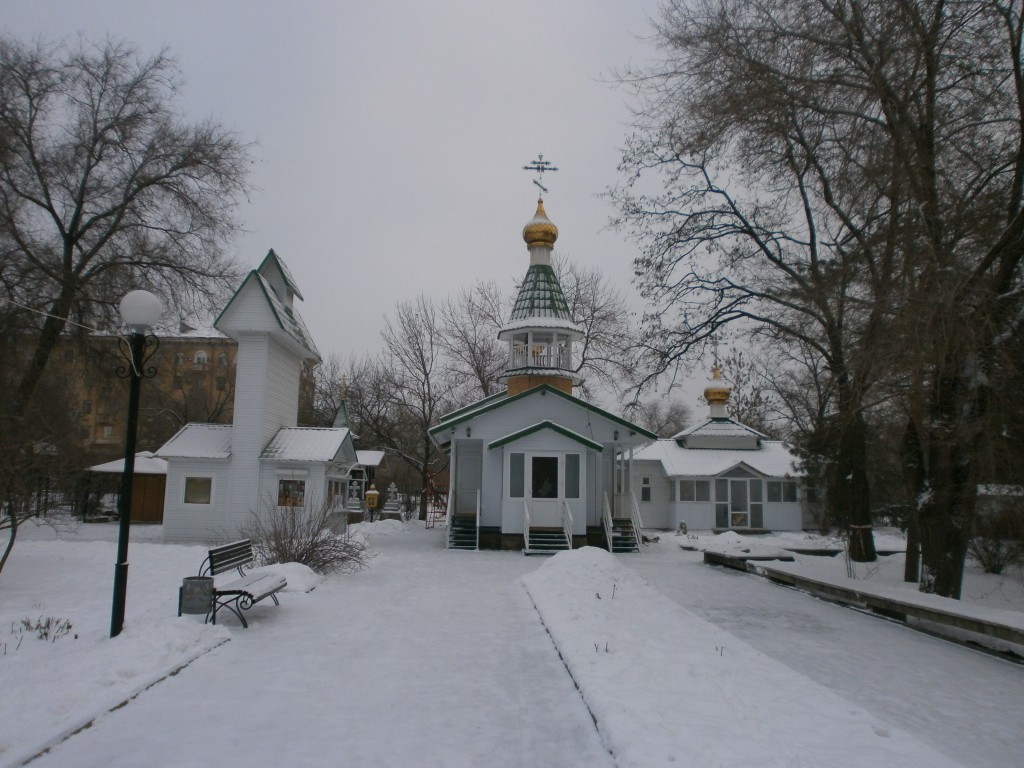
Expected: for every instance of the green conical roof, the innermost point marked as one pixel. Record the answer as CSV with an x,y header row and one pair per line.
x,y
540,295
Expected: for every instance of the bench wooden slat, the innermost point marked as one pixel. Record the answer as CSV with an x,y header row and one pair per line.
x,y
230,556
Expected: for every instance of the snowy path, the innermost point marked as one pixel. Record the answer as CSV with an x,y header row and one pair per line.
x,y
866,660
483,687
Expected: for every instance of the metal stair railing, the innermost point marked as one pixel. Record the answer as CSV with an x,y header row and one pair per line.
x,y
448,521
567,522
526,527
638,524
478,518
607,520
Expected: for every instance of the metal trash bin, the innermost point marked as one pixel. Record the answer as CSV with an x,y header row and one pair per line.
x,y
195,595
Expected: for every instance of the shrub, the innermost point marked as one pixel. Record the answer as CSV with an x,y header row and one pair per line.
x,y
998,538
309,535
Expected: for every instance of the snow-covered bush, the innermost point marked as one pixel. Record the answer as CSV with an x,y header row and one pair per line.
x,y
305,534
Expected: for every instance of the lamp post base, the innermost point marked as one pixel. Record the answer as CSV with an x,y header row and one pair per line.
x,y
120,593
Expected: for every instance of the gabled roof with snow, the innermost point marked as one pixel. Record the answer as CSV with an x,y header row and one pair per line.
x,y
146,463
199,441
370,458
441,432
287,318
718,427
772,459
306,444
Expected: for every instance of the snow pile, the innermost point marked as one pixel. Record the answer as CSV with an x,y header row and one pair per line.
x,y
667,687
66,680
731,543
301,578
379,528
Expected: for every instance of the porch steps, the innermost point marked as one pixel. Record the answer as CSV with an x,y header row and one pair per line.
x,y
624,538
547,541
462,534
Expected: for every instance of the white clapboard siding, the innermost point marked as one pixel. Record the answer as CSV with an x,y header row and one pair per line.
x,y
190,523
521,414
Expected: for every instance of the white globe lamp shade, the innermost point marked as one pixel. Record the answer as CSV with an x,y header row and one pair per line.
x,y
141,310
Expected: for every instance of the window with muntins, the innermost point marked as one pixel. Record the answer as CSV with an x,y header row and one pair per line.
x,y
695,490
782,490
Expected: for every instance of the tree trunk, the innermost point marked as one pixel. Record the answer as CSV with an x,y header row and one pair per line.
x,y
53,326
947,508
912,460
849,495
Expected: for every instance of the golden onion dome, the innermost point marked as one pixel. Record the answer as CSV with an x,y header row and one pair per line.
x,y
540,230
718,390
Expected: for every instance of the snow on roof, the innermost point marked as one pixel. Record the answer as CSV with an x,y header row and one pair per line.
x,y
440,431
539,322
370,458
289,320
273,258
718,428
146,463
199,441
305,444
773,459
186,331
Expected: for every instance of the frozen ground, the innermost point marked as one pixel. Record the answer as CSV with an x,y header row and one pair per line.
x,y
435,658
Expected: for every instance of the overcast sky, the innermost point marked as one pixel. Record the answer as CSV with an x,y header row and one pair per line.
x,y
390,136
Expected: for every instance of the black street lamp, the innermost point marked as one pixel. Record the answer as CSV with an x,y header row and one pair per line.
x,y
140,310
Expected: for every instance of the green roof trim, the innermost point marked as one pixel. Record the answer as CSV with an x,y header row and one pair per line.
x,y
540,295
285,272
492,403
473,406
287,320
546,425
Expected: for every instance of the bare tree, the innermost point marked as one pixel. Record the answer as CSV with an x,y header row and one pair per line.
x,y
892,131
600,309
104,186
753,400
412,373
661,415
755,227
470,322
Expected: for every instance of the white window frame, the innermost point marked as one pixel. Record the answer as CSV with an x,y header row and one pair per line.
x,y
184,490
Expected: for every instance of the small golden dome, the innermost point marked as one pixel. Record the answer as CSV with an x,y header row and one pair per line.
x,y
718,390
540,230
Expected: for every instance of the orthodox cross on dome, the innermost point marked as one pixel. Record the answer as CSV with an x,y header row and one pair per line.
x,y
541,166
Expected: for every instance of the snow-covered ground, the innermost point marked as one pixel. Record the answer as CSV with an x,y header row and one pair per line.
x,y
436,658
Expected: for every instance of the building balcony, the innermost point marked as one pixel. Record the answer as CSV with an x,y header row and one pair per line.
x,y
541,356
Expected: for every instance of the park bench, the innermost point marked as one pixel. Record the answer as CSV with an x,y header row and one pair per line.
x,y
244,592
